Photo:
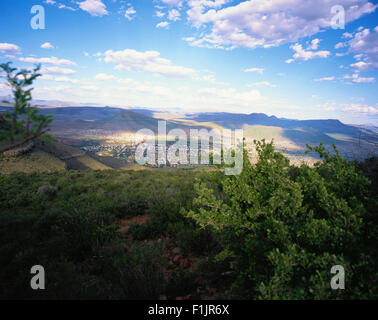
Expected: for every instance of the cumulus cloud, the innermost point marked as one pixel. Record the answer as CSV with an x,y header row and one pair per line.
x,y
257,70
159,14
9,48
130,13
357,79
56,71
172,2
149,61
174,15
314,44
361,108
59,79
365,44
47,45
163,24
93,7
261,23
302,54
211,79
50,60
325,79
262,84
104,77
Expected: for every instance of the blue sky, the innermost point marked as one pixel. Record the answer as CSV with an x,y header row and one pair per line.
x,y
288,58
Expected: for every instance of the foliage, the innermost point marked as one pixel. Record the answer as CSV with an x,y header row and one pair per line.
x,y
283,228
24,123
65,221
273,232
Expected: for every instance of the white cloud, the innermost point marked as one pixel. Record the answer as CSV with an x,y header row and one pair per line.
x,y
59,5
174,15
93,7
258,70
51,60
302,54
104,77
9,48
211,79
339,45
365,44
347,35
172,2
289,60
59,79
130,13
262,84
360,108
325,79
357,79
159,14
163,24
47,45
149,61
56,71
261,23
63,6
314,44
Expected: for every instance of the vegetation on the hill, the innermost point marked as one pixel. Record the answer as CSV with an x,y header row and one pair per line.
x,y
23,123
282,228
273,232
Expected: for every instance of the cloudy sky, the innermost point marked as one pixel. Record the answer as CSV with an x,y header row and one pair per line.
x,y
289,58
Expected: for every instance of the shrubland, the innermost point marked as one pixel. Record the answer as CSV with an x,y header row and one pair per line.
x,y
272,232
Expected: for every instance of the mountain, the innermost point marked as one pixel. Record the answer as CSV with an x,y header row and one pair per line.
x,y
238,120
81,126
103,118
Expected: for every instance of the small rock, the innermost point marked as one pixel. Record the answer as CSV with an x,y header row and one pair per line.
x,y
162,297
178,298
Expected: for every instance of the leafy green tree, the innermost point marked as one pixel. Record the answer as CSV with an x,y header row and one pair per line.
x,y
283,228
24,123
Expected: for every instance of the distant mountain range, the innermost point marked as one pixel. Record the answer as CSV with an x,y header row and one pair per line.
x,y
104,118
86,121
238,120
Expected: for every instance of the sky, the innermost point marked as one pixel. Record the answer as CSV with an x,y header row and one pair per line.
x,y
289,58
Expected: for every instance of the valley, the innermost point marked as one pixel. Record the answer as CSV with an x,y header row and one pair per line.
x,y
99,134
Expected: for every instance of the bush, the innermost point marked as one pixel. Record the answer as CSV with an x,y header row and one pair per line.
x,y
283,228
140,275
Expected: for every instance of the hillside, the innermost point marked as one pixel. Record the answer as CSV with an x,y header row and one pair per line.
x,y
49,156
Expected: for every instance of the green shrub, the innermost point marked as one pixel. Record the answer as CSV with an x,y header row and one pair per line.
x,y
283,228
